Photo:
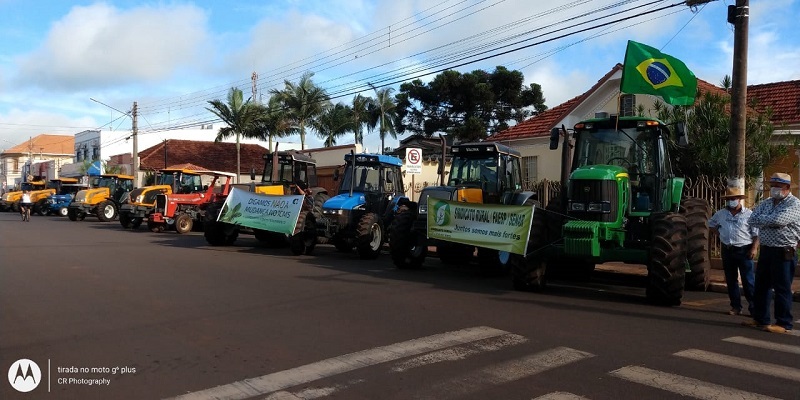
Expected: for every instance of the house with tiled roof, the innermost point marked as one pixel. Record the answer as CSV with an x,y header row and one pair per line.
x,y
532,136
783,100
34,157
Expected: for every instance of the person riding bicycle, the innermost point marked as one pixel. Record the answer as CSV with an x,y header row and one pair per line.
x,y
25,202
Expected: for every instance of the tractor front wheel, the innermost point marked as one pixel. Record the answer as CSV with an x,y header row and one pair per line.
x,y
125,220
370,237
40,208
666,270
107,211
407,248
63,211
183,223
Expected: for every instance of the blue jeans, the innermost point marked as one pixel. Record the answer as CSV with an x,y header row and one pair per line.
x,y
735,261
776,273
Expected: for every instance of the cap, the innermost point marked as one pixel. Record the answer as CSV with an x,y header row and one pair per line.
x,y
732,192
780,177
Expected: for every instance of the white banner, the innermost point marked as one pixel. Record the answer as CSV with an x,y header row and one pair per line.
x,y
261,211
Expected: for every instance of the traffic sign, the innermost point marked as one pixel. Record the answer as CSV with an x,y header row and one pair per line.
x,y
413,161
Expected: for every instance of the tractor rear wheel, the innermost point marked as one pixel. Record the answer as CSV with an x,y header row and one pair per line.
x,y
666,269
107,211
40,208
304,238
183,223
697,212
370,237
63,211
319,200
528,272
125,220
407,248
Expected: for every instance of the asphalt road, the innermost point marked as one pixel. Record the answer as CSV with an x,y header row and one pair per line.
x,y
147,316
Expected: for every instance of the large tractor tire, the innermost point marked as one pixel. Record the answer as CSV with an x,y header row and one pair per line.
x,y
136,222
319,200
41,207
107,211
370,237
304,238
125,220
72,214
183,223
407,249
528,272
666,270
63,211
270,239
697,213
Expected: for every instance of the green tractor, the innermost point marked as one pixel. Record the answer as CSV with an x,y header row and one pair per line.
x,y
620,202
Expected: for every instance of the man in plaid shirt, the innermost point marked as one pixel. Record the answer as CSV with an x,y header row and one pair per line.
x,y
778,222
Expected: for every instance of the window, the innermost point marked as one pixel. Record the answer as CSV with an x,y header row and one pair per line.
x,y
627,104
95,153
530,169
16,166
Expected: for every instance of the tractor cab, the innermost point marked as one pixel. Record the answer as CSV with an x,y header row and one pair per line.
x,y
491,168
286,172
375,178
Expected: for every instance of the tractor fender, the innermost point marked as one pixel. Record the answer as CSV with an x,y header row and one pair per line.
x,y
317,190
520,198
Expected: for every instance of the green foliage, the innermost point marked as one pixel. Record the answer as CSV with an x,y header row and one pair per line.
x,y
240,116
382,114
708,123
335,122
467,106
302,102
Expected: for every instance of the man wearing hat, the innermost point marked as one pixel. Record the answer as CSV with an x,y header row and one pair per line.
x,y
778,221
739,243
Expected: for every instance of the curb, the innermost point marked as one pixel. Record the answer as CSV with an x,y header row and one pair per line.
x,y
723,288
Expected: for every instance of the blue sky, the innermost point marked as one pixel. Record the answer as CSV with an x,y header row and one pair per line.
x,y
173,56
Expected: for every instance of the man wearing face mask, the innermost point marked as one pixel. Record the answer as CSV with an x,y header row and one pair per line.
x,y
739,242
778,221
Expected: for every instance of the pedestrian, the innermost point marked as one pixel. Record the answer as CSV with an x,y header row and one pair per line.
x,y
739,242
778,222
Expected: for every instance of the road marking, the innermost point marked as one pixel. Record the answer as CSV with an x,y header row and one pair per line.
x,y
561,396
682,385
349,362
742,363
786,348
460,352
505,372
702,303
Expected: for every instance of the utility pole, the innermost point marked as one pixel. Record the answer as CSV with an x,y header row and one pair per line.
x,y
739,16
135,135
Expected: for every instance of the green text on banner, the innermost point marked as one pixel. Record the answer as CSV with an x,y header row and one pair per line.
x,y
493,226
261,211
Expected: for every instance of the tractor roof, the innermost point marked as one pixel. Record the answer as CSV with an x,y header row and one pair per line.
x,y
295,156
482,149
609,120
364,158
118,176
65,180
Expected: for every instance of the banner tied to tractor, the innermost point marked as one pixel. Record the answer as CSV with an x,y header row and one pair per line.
x,y
260,211
493,226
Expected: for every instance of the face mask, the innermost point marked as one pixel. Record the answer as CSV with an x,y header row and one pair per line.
x,y
733,203
776,193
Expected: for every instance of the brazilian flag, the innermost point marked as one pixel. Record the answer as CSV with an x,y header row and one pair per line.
x,y
649,71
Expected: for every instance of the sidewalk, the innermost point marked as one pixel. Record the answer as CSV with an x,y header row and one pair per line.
x,y
716,284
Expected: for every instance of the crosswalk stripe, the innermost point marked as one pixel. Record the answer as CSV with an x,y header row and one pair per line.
x,y
561,396
786,348
508,371
742,363
682,385
460,352
333,366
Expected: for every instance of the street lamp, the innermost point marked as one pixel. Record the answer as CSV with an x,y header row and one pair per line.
x,y
135,131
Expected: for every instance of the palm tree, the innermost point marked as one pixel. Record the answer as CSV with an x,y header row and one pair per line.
x,y
383,114
272,121
360,116
335,122
303,103
239,115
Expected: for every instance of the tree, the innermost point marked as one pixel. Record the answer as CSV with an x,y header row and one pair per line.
x,y
708,122
239,115
383,112
467,106
360,115
303,103
333,123
272,121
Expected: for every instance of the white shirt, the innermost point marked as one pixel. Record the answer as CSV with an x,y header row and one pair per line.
x,y
26,198
734,230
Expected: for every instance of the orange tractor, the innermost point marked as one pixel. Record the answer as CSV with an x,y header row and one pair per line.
x,y
184,210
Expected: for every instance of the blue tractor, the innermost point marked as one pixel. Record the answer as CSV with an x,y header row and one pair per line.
x,y
359,215
58,203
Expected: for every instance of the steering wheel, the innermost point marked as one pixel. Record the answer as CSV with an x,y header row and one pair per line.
x,y
626,163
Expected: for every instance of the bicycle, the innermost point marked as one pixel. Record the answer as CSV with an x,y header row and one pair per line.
x,y
25,211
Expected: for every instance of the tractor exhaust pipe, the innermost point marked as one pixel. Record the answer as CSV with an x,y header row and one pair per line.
x,y
353,167
274,172
442,174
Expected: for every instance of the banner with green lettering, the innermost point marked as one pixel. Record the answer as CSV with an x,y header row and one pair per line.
x,y
261,211
493,226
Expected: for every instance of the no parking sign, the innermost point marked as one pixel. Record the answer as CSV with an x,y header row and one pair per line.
x,y
413,161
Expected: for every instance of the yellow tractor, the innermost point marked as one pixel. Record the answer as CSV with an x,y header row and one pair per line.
x,y
10,200
142,201
39,197
102,200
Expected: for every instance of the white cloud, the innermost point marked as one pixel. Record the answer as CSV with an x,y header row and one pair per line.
x,y
17,125
99,45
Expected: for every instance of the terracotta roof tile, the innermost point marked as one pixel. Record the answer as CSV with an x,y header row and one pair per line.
x,y
211,155
782,97
188,166
45,144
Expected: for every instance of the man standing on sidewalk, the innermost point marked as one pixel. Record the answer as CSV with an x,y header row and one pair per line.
x,y
739,244
778,221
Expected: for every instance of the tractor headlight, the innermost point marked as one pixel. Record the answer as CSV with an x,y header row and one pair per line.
x,y
332,212
601,207
139,198
423,208
577,207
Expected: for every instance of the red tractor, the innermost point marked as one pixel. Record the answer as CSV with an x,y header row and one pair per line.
x,y
185,209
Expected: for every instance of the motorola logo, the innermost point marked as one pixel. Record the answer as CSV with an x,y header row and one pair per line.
x,y
24,375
